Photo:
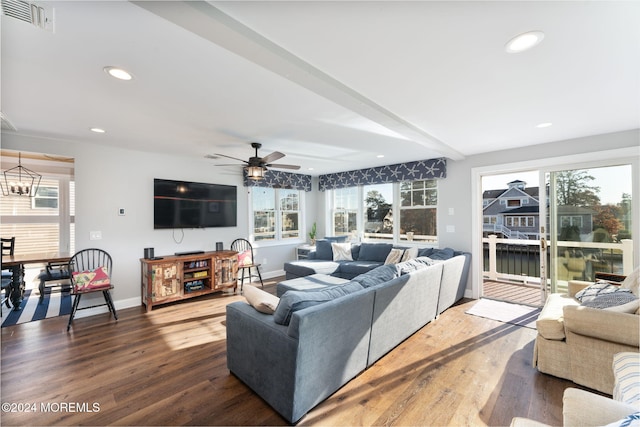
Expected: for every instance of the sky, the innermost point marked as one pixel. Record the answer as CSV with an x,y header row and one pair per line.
x,y
613,181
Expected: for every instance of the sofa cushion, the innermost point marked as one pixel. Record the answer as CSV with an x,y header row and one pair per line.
x,y
599,288
626,373
262,301
313,282
341,251
374,251
550,321
351,269
303,268
293,301
425,251
414,264
378,275
323,250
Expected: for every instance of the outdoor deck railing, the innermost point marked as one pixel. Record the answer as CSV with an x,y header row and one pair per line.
x,y
519,260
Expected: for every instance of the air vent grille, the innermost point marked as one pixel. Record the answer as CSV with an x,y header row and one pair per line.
x,y
32,13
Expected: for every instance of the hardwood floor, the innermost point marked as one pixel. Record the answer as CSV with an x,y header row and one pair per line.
x,y
513,292
168,367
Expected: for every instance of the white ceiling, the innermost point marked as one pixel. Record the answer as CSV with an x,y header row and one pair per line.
x,y
330,84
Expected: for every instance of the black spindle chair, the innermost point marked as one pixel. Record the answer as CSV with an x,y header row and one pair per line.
x,y
246,260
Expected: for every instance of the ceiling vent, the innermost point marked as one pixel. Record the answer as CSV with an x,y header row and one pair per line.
x,y
33,13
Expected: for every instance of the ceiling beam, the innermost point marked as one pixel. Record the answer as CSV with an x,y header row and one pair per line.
x,y
210,23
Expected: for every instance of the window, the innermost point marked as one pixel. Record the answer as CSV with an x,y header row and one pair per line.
x,y
513,203
46,197
345,211
418,209
405,211
276,213
520,221
378,213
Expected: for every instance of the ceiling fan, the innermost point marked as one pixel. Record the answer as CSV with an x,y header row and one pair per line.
x,y
256,166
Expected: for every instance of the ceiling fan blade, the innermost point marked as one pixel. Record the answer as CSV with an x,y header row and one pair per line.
x,y
228,157
228,164
279,166
272,157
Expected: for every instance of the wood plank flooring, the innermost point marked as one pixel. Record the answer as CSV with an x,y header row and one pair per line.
x,y
168,367
512,292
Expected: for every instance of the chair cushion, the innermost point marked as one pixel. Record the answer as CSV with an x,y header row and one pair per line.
x,y
245,258
91,279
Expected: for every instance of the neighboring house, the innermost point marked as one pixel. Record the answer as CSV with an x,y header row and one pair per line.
x,y
512,213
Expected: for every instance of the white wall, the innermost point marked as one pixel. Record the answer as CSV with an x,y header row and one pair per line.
x,y
111,178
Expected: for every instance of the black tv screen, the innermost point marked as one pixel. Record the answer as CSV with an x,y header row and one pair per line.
x,y
183,204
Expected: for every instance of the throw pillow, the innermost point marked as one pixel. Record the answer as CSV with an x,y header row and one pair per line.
x,y
632,282
410,253
262,301
91,279
293,301
394,256
245,258
626,372
425,252
378,275
614,300
599,288
631,420
441,254
341,251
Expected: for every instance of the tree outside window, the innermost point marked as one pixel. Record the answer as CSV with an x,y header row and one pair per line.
x,y
418,210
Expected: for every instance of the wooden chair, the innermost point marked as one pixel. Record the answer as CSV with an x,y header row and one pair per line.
x,y
90,271
8,248
56,272
246,260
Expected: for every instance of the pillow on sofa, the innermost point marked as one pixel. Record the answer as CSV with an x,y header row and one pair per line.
x,y
394,257
630,420
425,252
262,301
341,251
599,288
441,254
620,301
626,374
632,282
378,275
409,253
293,301
374,251
323,250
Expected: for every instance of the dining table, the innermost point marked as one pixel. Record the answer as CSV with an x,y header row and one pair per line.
x,y
17,264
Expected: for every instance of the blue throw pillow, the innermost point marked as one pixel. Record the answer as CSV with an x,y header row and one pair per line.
x,y
323,250
425,251
293,301
441,254
377,252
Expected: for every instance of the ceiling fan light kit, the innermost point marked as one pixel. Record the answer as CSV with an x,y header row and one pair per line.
x,y
257,166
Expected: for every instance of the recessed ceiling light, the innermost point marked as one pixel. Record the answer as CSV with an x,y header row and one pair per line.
x,y
118,73
544,125
380,156
98,130
524,41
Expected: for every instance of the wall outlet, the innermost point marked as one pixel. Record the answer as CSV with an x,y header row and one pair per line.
x,y
451,228
95,235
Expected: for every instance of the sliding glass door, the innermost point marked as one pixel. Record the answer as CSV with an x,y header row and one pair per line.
x,y
588,223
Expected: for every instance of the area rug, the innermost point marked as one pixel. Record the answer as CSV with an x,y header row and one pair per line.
x,y
506,312
53,304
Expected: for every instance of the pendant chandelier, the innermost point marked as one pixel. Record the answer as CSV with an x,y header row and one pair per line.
x,y
20,181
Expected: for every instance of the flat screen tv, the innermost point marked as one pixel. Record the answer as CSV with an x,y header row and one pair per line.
x,y
183,204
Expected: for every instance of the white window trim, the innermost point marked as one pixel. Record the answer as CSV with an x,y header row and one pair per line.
x,y
278,241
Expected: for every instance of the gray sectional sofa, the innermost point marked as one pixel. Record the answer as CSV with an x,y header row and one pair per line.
x,y
317,340
365,257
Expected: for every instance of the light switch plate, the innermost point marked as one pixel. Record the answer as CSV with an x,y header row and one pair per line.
x,y
95,235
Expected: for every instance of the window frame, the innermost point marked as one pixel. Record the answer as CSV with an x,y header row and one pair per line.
x,y
278,213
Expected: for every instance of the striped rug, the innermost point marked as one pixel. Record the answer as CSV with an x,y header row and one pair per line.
x,y
53,304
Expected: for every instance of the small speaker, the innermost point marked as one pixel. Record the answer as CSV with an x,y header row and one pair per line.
x,y
219,246
148,253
